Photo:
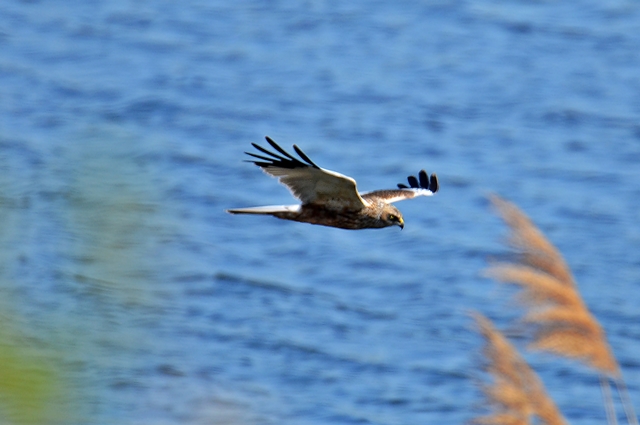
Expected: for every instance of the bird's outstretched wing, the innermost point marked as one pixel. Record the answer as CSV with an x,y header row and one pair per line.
x,y
423,185
306,181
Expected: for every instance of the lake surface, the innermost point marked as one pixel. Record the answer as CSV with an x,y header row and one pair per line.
x,y
122,131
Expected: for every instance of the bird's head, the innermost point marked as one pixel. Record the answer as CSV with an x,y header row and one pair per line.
x,y
391,216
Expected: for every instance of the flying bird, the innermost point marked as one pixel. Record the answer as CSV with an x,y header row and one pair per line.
x,y
329,198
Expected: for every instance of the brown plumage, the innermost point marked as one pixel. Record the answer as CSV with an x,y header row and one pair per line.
x,y
329,198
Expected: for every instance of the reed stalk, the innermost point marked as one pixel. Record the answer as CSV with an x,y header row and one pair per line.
x,y
517,395
560,320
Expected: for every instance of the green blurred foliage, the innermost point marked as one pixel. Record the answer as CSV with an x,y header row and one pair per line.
x,y
32,390
90,212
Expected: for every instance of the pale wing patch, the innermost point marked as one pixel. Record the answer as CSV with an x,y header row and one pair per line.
x,y
423,185
395,195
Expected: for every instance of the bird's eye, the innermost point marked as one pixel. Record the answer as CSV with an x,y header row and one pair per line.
x,y
392,217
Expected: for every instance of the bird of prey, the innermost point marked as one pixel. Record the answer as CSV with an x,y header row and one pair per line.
x,y
329,198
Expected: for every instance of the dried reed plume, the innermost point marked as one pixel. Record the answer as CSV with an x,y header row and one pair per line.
x,y
517,394
563,324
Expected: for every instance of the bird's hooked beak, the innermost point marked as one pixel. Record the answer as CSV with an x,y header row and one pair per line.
x,y
401,223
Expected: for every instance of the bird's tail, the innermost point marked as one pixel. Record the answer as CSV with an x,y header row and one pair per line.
x,y
267,210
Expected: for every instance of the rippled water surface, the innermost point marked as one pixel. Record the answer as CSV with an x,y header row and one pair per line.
x,y
122,131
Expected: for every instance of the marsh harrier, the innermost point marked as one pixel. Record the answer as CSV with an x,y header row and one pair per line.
x,y
329,198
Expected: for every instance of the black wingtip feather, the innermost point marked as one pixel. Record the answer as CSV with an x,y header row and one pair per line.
x,y
424,178
402,186
304,156
281,159
433,183
413,182
268,152
261,164
278,148
255,155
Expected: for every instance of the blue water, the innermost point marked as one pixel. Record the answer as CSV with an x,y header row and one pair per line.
x,y
122,131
